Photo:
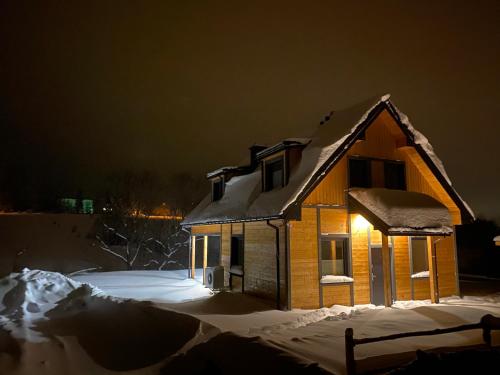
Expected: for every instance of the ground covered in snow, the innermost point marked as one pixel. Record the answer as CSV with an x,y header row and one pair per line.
x,y
103,323
164,286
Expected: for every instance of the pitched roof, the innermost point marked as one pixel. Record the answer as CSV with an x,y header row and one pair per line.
x,y
401,212
243,199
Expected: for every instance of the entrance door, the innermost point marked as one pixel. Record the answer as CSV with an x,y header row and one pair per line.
x,y
378,275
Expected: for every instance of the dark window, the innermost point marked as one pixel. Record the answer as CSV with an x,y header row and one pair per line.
x,y
394,175
217,190
274,175
236,261
213,251
419,254
198,261
359,173
334,256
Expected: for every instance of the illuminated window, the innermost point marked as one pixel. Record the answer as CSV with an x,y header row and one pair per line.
x,y
419,258
274,174
87,206
334,256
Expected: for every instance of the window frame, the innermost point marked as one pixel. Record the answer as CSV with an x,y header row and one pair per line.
x,y
215,181
369,164
412,265
210,240
265,165
346,253
241,252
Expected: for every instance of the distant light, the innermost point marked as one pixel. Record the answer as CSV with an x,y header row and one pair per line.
x,y
360,223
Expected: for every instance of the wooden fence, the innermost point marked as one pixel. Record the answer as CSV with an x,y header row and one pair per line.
x,y
487,324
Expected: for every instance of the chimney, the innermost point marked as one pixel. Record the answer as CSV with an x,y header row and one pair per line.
x,y
253,154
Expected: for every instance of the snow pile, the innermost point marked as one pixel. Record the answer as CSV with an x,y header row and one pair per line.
x,y
332,279
50,324
27,296
336,312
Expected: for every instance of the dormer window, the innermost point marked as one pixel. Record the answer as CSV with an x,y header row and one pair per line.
x,y
274,173
217,189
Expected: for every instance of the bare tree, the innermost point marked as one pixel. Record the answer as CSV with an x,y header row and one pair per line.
x,y
125,220
133,230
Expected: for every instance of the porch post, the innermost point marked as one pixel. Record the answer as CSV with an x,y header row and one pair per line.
x,y
386,265
431,257
193,256
205,248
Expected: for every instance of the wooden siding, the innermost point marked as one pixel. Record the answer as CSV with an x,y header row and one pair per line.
x,y
304,261
336,295
225,249
206,229
360,264
375,236
331,190
445,258
383,139
420,178
379,140
377,172
260,259
237,228
402,268
421,288
333,220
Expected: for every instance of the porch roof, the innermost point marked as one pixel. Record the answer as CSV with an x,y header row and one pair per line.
x,y
403,213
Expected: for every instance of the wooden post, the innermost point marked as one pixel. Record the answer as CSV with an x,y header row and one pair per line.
x,y
350,364
193,256
386,265
431,256
489,322
205,248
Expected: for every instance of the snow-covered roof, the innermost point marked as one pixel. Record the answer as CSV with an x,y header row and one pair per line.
x,y
283,144
402,212
221,170
244,200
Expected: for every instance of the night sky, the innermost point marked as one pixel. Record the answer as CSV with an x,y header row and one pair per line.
x,y
92,88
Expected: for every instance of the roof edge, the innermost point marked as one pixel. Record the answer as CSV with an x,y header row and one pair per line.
x,y
229,221
383,103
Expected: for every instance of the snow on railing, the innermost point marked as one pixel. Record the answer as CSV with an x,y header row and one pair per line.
x,y
487,324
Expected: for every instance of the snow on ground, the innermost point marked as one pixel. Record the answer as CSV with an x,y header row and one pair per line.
x,y
164,286
25,297
317,336
50,324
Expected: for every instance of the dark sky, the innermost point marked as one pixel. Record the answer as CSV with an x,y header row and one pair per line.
x,y
90,87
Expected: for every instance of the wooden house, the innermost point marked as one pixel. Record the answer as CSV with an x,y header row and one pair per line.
x,y
361,212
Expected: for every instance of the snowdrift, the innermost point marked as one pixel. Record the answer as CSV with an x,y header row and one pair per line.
x,y
50,324
25,297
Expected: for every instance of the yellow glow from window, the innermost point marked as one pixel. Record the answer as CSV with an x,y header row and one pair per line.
x,y
360,223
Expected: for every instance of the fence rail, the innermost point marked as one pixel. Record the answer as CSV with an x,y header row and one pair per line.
x,y
487,324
